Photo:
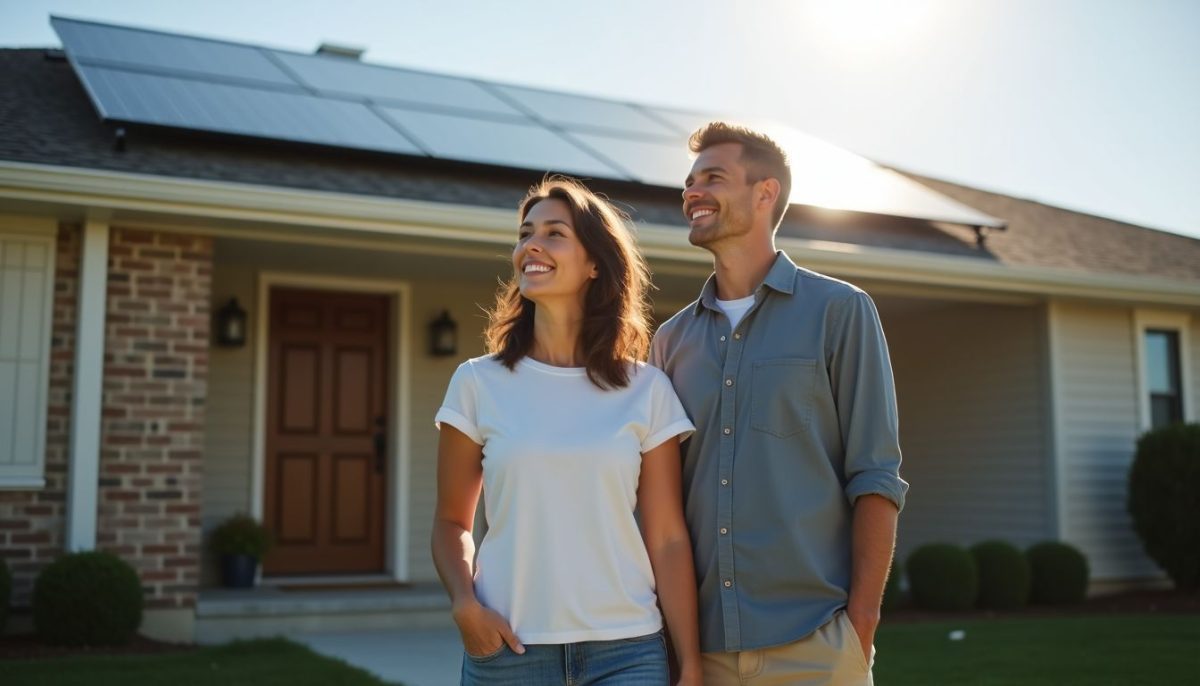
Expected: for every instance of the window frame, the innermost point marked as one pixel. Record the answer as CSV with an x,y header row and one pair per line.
x,y
1174,322
44,232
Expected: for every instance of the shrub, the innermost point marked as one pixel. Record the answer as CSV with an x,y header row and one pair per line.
x,y
5,593
241,535
1004,576
942,577
1164,500
91,598
1060,573
892,595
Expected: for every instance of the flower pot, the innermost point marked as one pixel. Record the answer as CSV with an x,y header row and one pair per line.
x,y
238,571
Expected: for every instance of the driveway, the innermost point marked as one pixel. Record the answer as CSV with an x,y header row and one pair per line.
x,y
413,657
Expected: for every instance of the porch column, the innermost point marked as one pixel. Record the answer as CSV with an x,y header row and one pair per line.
x,y
83,471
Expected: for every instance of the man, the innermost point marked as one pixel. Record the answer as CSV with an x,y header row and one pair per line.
x,y
791,481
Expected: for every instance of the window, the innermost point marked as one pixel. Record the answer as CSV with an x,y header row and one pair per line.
x,y
26,294
1163,382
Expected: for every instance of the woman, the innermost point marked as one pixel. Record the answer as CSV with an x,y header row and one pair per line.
x,y
567,433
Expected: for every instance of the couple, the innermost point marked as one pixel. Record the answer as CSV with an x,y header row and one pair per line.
x,y
766,544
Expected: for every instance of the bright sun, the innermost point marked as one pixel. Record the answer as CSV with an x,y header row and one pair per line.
x,y
866,27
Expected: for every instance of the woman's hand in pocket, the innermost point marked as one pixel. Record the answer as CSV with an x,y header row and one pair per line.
x,y
483,630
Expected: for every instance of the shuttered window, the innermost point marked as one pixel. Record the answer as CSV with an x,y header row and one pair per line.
x,y
26,294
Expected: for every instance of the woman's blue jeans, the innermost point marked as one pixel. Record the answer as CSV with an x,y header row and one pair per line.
x,y
640,661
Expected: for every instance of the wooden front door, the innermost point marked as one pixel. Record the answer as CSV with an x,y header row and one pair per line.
x,y
326,452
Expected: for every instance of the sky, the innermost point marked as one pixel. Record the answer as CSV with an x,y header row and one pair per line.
x,y
1092,105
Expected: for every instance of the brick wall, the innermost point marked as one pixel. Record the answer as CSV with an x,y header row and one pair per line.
x,y
155,372
32,523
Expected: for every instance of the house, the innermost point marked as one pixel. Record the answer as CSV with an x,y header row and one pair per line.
x,y
149,181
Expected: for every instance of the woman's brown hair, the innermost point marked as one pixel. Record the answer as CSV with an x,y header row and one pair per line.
x,y
616,327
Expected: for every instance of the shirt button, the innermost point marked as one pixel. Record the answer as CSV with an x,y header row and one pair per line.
x,y
722,339
724,530
728,583
727,431
724,482
728,382
737,336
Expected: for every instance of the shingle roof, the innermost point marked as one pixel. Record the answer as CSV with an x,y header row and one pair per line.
x,y
47,118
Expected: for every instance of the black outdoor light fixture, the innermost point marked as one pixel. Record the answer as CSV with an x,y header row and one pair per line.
x,y
443,336
231,325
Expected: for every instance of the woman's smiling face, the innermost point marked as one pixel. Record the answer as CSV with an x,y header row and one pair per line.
x,y
549,257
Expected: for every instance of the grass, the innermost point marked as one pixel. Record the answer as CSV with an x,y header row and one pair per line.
x,y
1061,651
273,662
1103,649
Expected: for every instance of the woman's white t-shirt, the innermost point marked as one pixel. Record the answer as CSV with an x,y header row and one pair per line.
x,y
563,559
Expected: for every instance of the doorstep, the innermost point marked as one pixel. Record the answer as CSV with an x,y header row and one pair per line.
x,y
272,610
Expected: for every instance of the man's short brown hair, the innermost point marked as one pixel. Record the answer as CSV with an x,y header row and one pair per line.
x,y
762,157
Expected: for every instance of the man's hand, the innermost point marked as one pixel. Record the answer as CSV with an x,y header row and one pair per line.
x,y
484,630
865,622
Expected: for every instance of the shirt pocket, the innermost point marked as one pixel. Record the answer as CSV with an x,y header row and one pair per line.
x,y
782,395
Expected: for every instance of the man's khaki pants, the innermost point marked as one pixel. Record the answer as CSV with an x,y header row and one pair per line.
x,y
831,655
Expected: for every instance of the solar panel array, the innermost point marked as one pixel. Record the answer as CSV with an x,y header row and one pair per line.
x,y
148,77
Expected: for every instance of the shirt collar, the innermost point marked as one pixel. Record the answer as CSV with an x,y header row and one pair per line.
x,y
781,277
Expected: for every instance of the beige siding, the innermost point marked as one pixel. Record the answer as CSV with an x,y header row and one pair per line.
x,y
1194,410
1098,424
972,391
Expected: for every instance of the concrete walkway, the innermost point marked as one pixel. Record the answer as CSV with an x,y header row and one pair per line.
x,y
413,657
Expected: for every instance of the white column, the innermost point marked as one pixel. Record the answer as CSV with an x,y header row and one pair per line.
x,y
83,471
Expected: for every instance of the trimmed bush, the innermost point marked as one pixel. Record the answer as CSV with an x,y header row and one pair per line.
x,y
1164,500
91,598
942,577
5,593
1004,576
1060,574
892,595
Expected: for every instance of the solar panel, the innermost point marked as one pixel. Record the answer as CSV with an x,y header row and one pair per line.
x,y
334,75
650,162
509,144
165,79
119,46
577,112
224,108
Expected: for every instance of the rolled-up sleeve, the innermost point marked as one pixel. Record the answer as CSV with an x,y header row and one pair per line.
x,y
860,373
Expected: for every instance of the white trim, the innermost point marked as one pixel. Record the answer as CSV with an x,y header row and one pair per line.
x,y
397,517
139,196
87,397
1058,441
1178,322
43,232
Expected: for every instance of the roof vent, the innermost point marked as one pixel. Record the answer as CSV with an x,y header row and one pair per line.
x,y
343,51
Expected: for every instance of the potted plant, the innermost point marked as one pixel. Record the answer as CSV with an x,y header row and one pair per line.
x,y
240,541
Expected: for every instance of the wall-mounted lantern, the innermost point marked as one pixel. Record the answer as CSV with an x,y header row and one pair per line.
x,y
443,336
231,325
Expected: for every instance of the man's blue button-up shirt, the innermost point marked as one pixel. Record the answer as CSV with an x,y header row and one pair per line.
x,y
795,412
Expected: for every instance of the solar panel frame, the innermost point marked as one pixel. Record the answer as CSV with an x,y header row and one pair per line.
x,y
139,48
224,108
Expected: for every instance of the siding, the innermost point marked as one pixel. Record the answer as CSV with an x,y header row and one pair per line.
x,y
229,446
1098,426
971,381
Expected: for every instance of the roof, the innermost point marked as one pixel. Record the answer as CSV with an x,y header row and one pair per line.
x,y
47,118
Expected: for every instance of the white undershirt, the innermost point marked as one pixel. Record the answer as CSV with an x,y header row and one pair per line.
x,y
735,309
563,559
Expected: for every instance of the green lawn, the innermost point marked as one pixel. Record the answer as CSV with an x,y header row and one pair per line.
x,y
1103,649
272,662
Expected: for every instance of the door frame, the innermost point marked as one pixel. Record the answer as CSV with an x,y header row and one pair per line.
x,y
396,515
